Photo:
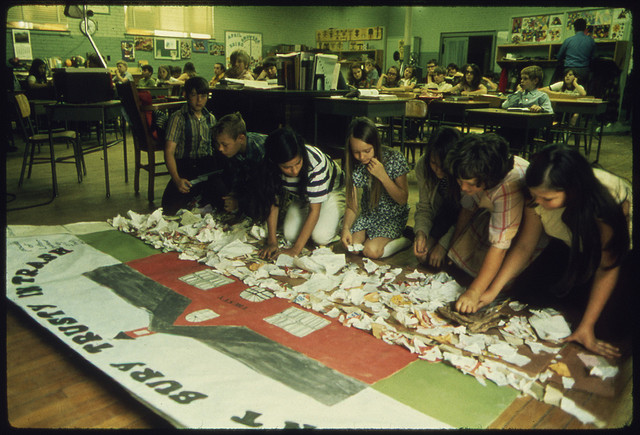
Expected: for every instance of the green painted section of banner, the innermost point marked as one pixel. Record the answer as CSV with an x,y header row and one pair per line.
x,y
119,245
443,392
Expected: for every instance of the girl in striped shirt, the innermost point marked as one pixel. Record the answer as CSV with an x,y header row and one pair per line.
x,y
309,184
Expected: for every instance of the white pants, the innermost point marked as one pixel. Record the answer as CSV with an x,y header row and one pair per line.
x,y
331,213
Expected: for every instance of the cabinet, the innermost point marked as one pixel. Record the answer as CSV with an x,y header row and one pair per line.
x,y
512,55
361,55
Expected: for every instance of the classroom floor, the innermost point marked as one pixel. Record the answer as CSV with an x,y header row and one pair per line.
x,y
48,387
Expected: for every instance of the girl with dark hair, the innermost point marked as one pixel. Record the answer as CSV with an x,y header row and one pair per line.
x,y
586,213
382,175
438,205
357,76
38,87
316,185
471,82
491,181
390,80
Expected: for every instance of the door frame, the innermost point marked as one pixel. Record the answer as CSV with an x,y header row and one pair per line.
x,y
492,33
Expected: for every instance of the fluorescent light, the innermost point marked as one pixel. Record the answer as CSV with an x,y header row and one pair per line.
x,y
170,33
200,36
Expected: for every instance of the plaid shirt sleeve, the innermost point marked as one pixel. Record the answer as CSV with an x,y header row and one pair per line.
x,y
508,203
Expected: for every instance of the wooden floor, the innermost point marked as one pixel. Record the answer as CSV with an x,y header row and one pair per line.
x,y
49,386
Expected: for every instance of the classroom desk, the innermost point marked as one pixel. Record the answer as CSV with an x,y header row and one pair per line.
x,y
361,107
525,121
92,112
265,110
456,109
588,109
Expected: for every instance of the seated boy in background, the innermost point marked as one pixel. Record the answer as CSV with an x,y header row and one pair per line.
x,y
189,152
122,75
528,94
438,85
245,152
146,80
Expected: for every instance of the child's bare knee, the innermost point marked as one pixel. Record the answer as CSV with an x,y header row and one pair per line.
x,y
371,252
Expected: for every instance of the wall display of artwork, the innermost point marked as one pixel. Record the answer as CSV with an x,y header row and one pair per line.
x,y
166,48
128,51
199,46
216,48
333,39
185,49
602,24
251,43
143,43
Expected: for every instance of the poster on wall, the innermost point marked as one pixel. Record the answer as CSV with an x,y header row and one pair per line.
x,y
22,44
555,28
251,43
128,51
199,46
166,48
185,49
143,43
535,29
216,48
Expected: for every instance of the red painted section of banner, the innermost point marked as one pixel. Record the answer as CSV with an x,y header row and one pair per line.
x,y
349,351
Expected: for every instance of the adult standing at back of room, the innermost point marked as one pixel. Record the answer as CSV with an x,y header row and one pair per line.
x,y
577,51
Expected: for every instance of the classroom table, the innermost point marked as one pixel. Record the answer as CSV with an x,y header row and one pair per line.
x,y
453,108
514,119
361,107
588,109
91,112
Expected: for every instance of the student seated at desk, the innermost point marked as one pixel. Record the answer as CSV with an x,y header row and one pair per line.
x,y
165,77
568,86
408,80
189,152
372,72
488,80
471,83
454,76
491,182
122,75
357,78
188,72
584,214
176,71
218,74
376,228
438,85
308,184
431,65
146,80
269,69
245,153
528,95
38,87
239,66
390,80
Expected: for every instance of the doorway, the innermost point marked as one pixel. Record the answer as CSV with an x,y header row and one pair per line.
x,y
470,47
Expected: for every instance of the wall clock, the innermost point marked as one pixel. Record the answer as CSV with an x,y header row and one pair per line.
x,y
91,25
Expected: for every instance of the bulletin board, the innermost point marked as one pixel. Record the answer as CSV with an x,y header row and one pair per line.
x,y
166,48
602,24
249,42
356,38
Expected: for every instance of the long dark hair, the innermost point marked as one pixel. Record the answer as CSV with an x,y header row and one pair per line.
x,y
477,77
264,187
440,143
587,203
34,70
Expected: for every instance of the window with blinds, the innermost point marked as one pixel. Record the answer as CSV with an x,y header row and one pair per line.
x,y
37,17
177,21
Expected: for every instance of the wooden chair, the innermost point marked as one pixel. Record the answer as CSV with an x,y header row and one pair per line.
x,y
414,134
33,140
145,141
